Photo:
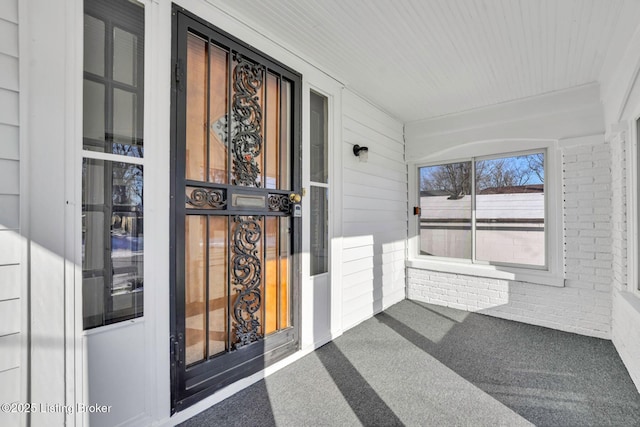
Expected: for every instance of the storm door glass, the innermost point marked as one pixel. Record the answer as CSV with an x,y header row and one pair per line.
x,y
235,175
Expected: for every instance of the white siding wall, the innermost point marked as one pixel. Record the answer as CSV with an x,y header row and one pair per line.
x,y
10,247
583,305
374,211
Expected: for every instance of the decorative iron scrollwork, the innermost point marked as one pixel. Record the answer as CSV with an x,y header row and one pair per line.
x,y
201,197
246,273
279,203
247,120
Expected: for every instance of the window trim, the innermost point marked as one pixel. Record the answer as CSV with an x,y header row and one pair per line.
x,y
553,272
326,185
633,205
106,156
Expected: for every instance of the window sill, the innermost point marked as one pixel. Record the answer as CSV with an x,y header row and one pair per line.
x,y
112,326
490,271
632,299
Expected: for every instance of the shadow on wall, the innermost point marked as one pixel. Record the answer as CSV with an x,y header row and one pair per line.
x,y
373,276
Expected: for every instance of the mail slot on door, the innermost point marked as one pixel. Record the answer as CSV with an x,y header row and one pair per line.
x,y
248,201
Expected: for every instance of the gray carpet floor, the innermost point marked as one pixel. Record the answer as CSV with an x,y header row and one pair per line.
x,y
417,364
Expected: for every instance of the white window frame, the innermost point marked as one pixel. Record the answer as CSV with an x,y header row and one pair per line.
x,y
633,211
552,274
85,154
325,185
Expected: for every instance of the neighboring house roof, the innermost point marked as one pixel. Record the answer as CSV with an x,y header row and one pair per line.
x,y
514,189
531,188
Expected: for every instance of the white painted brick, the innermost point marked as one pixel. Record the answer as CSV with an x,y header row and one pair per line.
x,y
595,187
576,180
577,166
595,233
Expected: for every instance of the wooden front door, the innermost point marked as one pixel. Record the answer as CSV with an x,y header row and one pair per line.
x,y
235,233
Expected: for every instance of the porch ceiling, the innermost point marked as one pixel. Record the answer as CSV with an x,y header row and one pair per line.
x,y
424,58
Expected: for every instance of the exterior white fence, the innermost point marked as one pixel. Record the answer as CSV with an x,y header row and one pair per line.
x,y
509,227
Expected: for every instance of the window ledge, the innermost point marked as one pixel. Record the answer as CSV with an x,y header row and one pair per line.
x,y
632,299
490,271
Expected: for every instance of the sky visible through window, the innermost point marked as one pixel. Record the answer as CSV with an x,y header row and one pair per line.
x,y
516,171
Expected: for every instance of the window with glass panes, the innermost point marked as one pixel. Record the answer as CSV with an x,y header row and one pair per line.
x,y
112,164
485,210
319,191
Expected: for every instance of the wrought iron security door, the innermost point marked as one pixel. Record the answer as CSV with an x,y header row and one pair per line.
x,y
235,175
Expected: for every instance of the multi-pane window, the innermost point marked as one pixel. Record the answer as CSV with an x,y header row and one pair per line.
x,y
319,155
489,210
112,168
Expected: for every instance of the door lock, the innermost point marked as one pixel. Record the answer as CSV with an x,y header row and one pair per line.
x,y
294,198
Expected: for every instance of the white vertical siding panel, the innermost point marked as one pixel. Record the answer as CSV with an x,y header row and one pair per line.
x,y
9,142
375,228
9,11
9,282
9,75
11,279
8,38
9,211
10,354
9,392
9,317
9,247
8,107
9,176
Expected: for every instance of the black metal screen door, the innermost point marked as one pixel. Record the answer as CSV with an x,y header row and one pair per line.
x,y
235,176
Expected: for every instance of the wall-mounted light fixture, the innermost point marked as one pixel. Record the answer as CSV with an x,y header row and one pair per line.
x,y
361,153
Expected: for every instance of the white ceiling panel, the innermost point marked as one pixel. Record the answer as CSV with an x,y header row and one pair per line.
x,y
425,58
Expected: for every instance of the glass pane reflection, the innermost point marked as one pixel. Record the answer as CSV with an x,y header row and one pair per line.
x,y
112,242
319,231
445,202
510,210
125,56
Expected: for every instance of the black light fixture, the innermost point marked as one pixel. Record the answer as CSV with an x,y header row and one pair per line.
x,y
362,153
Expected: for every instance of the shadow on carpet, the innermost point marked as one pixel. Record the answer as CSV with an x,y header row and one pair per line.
x,y
420,364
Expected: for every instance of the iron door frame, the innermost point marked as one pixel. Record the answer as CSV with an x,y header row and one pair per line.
x,y
192,384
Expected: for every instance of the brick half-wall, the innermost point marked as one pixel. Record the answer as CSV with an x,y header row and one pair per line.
x,y
583,305
582,311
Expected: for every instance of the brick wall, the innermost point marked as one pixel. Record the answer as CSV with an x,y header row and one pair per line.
x,y
583,311
583,305
587,217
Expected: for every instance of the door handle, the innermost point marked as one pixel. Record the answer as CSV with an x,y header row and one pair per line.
x,y
295,198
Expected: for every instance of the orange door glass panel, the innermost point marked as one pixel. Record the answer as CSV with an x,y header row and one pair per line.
x,y
218,244
218,96
272,144
284,261
197,85
195,293
271,276
237,266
